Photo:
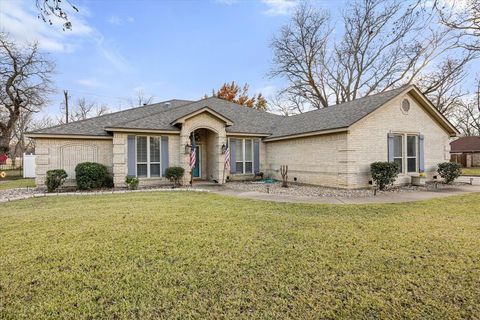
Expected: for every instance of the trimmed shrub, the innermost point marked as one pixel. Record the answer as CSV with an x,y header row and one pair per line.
x,y
55,179
91,175
384,173
449,171
174,174
132,182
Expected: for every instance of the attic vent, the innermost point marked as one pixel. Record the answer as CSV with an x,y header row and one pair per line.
x,y
167,105
405,106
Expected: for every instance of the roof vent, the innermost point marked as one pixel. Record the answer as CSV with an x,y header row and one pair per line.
x,y
167,105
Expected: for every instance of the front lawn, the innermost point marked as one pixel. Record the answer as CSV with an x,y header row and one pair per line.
x,y
186,255
19,183
471,171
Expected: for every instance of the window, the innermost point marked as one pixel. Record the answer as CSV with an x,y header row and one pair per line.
x,y
244,155
405,152
412,147
148,157
398,151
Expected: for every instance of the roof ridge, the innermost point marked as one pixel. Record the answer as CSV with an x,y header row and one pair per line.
x,y
354,100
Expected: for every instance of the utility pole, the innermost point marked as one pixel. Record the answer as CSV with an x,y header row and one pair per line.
x,y
65,93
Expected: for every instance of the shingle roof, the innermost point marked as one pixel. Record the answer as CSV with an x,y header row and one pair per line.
x,y
246,120
334,117
96,126
160,116
466,144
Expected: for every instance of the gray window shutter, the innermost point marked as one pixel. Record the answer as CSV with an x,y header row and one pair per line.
x,y
131,161
164,155
421,157
233,164
390,147
256,156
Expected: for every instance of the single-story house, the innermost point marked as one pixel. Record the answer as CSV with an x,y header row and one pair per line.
x,y
466,151
332,147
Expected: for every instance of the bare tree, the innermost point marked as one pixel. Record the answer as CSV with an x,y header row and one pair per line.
x,y
83,110
25,83
55,8
140,99
385,44
466,114
464,17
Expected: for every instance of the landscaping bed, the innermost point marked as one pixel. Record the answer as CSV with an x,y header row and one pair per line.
x,y
317,191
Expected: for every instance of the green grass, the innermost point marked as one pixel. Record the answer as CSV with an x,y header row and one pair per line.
x,y
471,171
179,255
19,183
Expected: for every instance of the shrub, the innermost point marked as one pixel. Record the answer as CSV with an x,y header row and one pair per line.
x,y
55,179
174,174
132,182
91,175
384,173
449,171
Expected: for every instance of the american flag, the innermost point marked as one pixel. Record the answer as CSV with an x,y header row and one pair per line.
x,y
193,155
227,157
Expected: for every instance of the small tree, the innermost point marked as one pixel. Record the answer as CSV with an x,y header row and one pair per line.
x,y
55,179
449,171
384,173
174,174
233,92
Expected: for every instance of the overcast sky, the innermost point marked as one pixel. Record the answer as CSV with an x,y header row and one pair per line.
x,y
167,49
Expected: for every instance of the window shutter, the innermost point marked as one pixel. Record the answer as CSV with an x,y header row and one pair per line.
x,y
164,154
256,156
390,147
131,161
233,164
421,158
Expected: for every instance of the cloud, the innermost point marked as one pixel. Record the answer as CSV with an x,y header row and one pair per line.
x,y
118,21
279,7
226,2
22,22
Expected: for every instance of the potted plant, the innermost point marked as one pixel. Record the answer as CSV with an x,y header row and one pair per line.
x,y
419,180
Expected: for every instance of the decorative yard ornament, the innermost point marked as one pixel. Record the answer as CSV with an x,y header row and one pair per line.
x,y
284,173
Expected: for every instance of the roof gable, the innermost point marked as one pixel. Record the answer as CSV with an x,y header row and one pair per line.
x,y
205,109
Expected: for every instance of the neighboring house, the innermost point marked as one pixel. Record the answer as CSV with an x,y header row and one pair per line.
x,y
333,146
466,151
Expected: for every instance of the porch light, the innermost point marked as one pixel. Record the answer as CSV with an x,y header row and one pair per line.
x,y
224,148
188,148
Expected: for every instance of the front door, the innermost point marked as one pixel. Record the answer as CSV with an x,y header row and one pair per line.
x,y
196,173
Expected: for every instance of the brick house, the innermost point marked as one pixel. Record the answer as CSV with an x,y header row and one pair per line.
x,y
466,151
333,146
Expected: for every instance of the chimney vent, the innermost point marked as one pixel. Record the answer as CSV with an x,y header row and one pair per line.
x,y
167,105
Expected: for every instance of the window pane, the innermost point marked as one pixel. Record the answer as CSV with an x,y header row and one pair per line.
x,y
141,149
397,146
411,146
141,170
154,149
155,170
239,167
248,167
412,164
239,149
400,164
248,150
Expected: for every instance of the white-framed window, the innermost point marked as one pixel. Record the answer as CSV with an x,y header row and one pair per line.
x,y
148,156
412,153
405,152
244,155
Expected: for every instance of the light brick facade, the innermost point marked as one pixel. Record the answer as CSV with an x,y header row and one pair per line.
x,y
340,159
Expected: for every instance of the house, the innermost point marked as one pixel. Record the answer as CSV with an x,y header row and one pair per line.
x,y
466,151
332,147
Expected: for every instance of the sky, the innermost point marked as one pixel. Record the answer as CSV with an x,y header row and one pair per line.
x,y
166,49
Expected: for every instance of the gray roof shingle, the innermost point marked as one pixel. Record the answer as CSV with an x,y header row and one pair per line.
x,y
159,116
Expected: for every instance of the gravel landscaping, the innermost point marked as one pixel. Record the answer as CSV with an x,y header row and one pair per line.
x,y
317,191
